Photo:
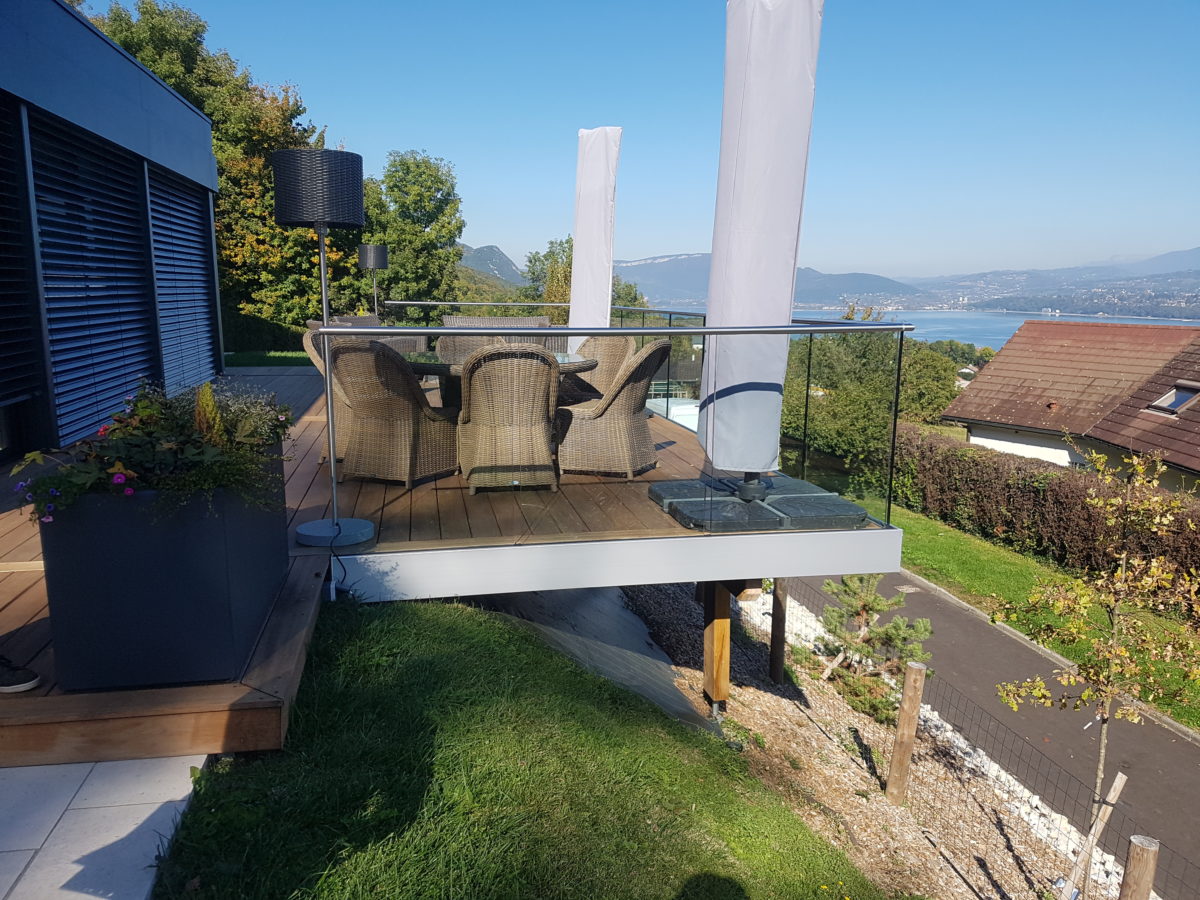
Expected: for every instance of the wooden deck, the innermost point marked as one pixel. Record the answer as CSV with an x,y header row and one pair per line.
x,y
441,513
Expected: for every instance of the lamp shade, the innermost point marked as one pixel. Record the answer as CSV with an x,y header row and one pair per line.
x,y
372,256
318,187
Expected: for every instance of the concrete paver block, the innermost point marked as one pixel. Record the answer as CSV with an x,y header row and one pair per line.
x,y
136,781
101,852
33,798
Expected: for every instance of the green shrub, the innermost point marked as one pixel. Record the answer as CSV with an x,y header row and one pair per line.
x,y
1032,506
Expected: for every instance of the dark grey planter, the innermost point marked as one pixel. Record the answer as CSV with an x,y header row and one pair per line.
x,y
143,598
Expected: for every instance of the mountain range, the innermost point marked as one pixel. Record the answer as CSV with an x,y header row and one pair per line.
x,y
682,279
491,260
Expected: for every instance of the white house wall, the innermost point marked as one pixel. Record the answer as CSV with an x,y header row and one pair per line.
x,y
1049,448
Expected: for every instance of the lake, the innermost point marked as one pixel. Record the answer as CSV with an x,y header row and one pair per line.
x,y
992,329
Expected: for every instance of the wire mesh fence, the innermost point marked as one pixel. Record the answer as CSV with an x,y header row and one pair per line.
x,y
1006,817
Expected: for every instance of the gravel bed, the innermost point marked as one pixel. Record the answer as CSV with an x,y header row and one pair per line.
x,y
960,834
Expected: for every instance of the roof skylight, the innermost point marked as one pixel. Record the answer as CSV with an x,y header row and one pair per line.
x,y
1177,398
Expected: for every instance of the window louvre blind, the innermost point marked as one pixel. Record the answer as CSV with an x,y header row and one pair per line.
x,y
20,357
183,275
90,200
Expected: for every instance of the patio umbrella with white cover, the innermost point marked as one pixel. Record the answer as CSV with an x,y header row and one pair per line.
x,y
770,73
595,208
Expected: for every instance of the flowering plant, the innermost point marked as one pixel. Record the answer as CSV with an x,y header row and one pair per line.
x,y
182,446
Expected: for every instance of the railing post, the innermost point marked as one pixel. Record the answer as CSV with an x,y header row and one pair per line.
x,y
1139,868
906,732
777,663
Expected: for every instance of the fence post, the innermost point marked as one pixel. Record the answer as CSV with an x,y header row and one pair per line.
x,y
778,657
906,732
1081,871
1139,868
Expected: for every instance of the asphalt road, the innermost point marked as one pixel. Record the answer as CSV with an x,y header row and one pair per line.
x,y
971,656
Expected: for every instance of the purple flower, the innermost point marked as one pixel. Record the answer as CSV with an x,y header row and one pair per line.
x,y
119,478
19,486
47,518
128,492
29,497
49,507
54,492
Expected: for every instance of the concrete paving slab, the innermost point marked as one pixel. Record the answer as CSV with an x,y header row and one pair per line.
x,y
12,864
136,781
101,852
33,798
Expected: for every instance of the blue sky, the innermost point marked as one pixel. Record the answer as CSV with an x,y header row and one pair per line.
x,y
948,136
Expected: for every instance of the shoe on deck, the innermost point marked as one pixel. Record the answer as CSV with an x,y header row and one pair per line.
x,y
14,679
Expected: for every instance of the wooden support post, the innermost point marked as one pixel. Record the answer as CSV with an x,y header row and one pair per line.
x,y
1081,871
715,598
778,657
1139,868
906,732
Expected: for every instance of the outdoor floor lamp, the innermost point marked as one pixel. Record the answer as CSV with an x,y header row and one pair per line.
x,y
373,257
323,189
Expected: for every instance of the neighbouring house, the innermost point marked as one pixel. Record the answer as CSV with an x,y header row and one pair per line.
x,y
107,261
1059,389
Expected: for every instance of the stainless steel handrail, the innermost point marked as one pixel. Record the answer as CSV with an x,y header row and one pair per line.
x,y
645,331
641,309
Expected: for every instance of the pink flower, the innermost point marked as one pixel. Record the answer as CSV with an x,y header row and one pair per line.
x,y
128,492
47,518
119,478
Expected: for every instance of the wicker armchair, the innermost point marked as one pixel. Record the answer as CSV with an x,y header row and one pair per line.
x,y
610,353
553,344
506,428
393,434
401,343
610,436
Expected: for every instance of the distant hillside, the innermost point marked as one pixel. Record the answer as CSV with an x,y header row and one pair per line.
x,y
491,260
481,287
1036,282
1166,263
665,279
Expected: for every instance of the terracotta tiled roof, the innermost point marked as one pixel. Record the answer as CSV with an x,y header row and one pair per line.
x,y
1132,426
1068,376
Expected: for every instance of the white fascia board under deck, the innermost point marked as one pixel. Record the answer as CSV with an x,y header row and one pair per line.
x,y
468,571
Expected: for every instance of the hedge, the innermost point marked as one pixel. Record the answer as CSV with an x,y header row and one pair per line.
x,y
247,332
1032,506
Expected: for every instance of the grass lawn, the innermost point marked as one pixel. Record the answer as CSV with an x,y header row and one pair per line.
x,y
988,576
268,358
438,751
968,566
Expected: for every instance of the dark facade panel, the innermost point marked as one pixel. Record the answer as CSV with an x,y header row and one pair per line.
x,y
187,297
20,341
100,311
53,58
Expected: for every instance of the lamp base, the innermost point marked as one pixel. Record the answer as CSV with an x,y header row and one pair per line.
x,y
328,533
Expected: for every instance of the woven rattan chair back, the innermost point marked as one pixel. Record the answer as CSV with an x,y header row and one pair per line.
x,y
394,433
610,354
631,384
551,344
610,436
506,428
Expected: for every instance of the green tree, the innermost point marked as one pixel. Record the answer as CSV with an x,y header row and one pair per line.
x,y
863,645
1111,621
264,270
846,408
549,276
